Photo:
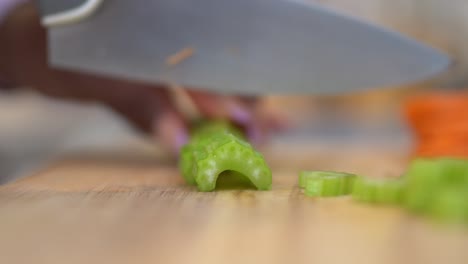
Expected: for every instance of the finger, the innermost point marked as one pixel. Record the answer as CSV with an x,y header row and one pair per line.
x,y
266,112
150,108
243,111
274,119
239,111
248,100
169,126
257,119
171,131
217,106
269,111
246,111
208,104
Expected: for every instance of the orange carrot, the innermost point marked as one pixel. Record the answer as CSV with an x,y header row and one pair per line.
x,y
439,122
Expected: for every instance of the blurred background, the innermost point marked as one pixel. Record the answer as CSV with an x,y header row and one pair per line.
x,y
35,130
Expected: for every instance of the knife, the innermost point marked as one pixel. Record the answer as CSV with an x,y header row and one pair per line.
x,y
251,47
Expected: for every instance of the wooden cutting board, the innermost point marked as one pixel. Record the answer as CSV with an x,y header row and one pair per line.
x,y
138,210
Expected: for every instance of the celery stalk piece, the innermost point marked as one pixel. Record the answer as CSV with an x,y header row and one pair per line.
x,y
426,176
365,189
390,191
450,205
216,147
326,183
423,177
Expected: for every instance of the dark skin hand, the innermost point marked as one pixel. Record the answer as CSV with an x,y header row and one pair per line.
x,y
149,107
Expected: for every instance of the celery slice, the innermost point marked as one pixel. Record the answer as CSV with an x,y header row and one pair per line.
x,y
450,205
365,189
390,191
426,176
326,183
216,147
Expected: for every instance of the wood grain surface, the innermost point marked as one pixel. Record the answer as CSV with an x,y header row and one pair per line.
x,y
138,210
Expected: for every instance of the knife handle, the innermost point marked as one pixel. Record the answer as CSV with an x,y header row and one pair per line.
x,y
59,12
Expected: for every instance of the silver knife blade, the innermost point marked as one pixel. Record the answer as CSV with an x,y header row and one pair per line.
x,y
251,47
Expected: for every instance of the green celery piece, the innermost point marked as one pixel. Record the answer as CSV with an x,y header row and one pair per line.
x,y
381,191
325,183
349,179
216,147
434,187
314,187
305,175
235,157
365,189
323,186
345,188
390,191
455,171
426,176
450,205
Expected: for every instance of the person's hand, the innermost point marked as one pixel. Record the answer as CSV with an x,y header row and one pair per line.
x,y
148,107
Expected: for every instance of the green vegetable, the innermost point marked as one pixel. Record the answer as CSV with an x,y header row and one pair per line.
x,y
349,179
323,186
216,147
426,177
326,183
432,187
390,191
423,177
450,205
384,191
365,189
304,176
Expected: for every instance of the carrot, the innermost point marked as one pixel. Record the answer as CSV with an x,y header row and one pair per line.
x,y
439,122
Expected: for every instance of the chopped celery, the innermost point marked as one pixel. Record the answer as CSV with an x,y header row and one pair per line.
x,y
450,205
325,183
386,191
304,176
349,179
426,176
326,186
390,191
365,189
436,187
314,187
423,177
216,147
455,171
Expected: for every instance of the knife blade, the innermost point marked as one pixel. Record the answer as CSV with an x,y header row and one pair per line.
x,y
251,47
